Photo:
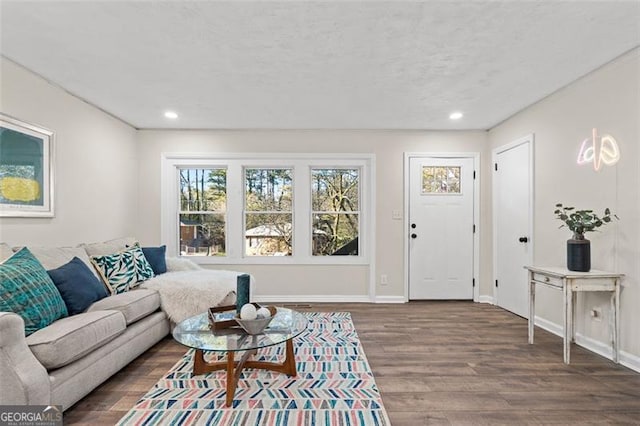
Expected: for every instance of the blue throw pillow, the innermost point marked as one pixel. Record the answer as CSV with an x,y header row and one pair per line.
x,y
27,290
156,256
77,285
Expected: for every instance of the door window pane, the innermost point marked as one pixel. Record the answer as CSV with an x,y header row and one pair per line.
x,y
203,204
441,180
268,212
335,199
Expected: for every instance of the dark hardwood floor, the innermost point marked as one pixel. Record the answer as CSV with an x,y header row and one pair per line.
x,y
440,363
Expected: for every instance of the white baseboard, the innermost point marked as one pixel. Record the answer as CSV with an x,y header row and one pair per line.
x,y
551,327
309,298
485,299
593,345
390,299
625,358
629,360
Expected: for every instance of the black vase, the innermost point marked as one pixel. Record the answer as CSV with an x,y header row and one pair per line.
x,y
579,255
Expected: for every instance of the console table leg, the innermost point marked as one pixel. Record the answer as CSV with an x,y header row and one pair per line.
x,y
615,308
532,307
568,316
574,298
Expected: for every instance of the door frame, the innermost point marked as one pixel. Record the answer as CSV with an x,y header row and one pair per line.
x,y
476,213
530,141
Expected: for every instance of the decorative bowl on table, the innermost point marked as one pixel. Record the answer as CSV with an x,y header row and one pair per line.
x,y
254,326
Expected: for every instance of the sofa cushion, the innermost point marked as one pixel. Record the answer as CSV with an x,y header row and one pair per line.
x,y
27,290
108,247
78,287
124,270
134,305
54,257
71,338
156,256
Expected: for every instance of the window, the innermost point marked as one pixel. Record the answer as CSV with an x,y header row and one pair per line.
x,y
335,212
440,180
203,204
268,209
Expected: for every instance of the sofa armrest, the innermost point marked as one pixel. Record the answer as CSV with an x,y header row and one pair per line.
x,y
23,380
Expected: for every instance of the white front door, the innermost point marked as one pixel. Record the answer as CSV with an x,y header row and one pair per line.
x,y
441,241
512,194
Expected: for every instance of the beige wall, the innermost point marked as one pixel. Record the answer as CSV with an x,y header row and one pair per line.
x,y
388,147
95,167
608,99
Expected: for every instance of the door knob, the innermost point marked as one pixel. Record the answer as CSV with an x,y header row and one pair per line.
x,y
414,236
413,225
523,239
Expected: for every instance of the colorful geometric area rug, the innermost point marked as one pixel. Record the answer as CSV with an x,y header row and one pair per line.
x,y
334,386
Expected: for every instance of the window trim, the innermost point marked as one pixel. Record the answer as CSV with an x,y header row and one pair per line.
x,y
301,164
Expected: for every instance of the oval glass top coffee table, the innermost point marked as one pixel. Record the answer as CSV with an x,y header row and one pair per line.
x,y
194,332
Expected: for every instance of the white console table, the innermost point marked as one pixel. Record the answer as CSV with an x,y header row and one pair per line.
x,y
570,282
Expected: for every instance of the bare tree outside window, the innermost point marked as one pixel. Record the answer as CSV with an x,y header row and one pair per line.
x,y
203,205
335,211
268,212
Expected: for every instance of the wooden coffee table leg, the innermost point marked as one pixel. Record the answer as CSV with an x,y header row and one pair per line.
x,y
199,364
232,382
234,370
290,360
288,366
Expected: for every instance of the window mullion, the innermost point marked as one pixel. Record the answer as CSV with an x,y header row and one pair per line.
x,y
301,210
235,214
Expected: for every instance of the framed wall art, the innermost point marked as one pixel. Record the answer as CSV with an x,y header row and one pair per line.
x,y
26,169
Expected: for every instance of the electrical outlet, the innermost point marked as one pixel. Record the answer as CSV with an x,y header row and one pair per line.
x,y
384,280
396,214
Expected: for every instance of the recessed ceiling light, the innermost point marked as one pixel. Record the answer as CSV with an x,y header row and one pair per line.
x,y
455,115
170,114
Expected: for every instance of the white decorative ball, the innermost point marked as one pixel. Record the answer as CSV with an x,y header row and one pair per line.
x,y
263,313
248,312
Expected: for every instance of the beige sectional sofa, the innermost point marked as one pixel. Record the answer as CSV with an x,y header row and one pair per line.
x,y
63,362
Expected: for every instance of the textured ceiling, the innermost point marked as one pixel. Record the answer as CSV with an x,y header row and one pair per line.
x,y
318,65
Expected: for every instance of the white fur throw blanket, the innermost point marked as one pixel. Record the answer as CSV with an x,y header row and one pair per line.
x,y
184,293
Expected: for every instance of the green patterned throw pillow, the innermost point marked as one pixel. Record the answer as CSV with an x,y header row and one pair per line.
x,y
27,290
124,270
144,271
